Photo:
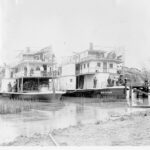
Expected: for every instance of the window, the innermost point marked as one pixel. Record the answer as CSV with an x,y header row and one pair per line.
x,y
84,65
81,67
101,55
70,80
98,64
111,65
16,70
37,68
88,65
11,74
31,71
36,57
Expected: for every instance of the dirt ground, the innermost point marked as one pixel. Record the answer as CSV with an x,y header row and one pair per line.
x,y
124,130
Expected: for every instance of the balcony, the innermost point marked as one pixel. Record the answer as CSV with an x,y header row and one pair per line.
x,y
35,61
93,70
90,70
35,74
98,58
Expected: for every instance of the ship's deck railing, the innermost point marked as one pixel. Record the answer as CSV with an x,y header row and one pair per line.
x,y
89,58
36,74
93,70
98,58
35,61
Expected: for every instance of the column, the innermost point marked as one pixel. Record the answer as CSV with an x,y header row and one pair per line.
x,y
28,70
22,85
17,85
38,84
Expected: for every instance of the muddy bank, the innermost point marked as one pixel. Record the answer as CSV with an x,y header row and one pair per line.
x,y
132,129
35,140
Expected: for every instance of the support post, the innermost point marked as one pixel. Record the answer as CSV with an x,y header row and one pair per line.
x,y
48,84
53,78
126,87
38,84
22,84
130,92
78,82
18,85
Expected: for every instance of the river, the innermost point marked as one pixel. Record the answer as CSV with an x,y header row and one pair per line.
x,y
70,113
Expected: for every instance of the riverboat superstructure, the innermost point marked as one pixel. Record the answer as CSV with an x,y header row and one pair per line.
x,y
92,70
35,75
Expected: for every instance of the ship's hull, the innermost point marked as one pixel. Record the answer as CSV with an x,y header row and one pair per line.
x,y
107,93
35,96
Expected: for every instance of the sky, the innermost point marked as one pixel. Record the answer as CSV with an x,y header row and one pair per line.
x,y
70,25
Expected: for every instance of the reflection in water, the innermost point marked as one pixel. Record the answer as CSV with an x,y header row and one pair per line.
x,y
138,101
7,131
79,109
42,121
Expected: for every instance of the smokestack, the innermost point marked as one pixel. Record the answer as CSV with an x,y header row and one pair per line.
x,y
91,46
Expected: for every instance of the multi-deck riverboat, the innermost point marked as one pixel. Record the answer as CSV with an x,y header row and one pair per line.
x,y
33,77
93,73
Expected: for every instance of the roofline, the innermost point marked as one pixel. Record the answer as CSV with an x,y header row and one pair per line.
x,y
31,62
35,77
90,50
103,59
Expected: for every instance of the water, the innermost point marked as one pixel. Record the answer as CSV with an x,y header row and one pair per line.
x,y
138,102
71,113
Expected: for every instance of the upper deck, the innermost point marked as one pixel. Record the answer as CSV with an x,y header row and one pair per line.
x,y
34,64
92,54
91,61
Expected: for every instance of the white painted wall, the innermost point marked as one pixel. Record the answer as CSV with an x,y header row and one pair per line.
x,y
4,84
68,69
68,72
7,72
56,84
66,84
93,67
88,81
101,80
114,69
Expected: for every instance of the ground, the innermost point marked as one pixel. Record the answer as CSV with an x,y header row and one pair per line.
x,y
124,130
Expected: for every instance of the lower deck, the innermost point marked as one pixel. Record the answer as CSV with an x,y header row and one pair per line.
x,y
36,96
108,92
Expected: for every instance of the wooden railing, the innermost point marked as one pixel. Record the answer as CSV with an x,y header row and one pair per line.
x,y
36,74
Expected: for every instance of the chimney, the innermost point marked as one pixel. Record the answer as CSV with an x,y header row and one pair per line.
x,y
91,46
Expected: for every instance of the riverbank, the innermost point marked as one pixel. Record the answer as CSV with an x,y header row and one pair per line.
x,y
131,129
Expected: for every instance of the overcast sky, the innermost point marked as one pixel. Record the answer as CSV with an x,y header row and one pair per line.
x,y
69,26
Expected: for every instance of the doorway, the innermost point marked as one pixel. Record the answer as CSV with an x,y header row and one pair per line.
x,y
79,82
104,66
